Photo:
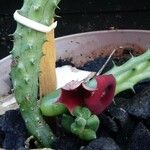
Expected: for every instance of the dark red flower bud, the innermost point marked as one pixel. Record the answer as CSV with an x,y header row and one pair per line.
x,y
79,94
103,95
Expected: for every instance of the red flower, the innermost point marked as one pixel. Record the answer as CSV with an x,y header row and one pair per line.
x,y
97,100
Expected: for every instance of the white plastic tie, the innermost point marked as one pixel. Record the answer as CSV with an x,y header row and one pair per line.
x,y
33,24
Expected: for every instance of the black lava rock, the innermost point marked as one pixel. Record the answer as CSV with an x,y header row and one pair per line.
x,y
124,134
67,143
107,123
140,139
14,123
14,129
1,121
124,121
102,144
144,83
2,135
140,104
14,142
120,116
97,64
121,102
62,62
147,123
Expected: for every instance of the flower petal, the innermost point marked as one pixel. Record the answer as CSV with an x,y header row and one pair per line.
x,y
72,95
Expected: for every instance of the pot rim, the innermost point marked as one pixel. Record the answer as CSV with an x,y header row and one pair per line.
x,y
104,31
91,33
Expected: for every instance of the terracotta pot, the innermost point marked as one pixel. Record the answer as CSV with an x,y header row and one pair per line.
x,y
80,48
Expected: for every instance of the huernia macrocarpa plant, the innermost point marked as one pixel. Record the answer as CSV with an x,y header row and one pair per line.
x,y
95,95
78,102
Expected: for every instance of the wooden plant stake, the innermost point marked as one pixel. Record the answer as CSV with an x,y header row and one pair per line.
x,y
47,77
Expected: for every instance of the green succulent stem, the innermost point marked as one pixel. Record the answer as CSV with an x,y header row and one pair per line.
x,y
130,73
26,56
49,105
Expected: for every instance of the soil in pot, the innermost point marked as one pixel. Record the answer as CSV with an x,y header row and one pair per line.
x,y
124,125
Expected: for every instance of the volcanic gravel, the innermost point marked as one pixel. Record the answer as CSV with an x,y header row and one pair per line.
x,y
124,125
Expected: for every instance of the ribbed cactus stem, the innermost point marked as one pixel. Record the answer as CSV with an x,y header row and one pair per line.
x,y
26,56
133,71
